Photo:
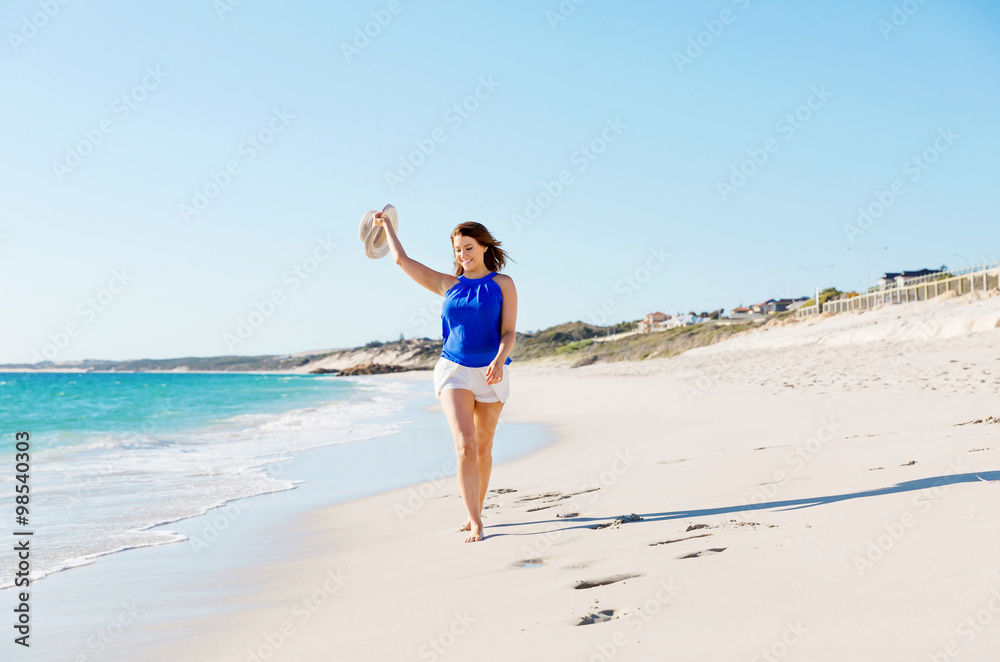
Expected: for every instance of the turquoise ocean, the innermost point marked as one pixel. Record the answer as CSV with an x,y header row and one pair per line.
x,y
116,457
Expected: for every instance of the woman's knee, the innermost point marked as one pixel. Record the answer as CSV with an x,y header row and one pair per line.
x,y
484,453
466,446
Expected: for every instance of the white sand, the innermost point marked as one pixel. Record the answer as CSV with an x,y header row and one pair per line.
x,y
875,539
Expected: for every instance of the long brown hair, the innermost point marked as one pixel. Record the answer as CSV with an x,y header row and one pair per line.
x,y
494,258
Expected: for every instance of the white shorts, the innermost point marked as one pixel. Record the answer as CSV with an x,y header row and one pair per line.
x,y
448,374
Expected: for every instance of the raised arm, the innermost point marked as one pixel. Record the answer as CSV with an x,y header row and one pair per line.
x,y
435,281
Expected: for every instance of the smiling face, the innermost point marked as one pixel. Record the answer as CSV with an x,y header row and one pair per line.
x,y
468,252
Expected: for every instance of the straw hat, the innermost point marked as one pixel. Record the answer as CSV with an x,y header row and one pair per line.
x,y
374,237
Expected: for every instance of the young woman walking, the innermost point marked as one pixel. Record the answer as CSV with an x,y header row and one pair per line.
x,y
471,378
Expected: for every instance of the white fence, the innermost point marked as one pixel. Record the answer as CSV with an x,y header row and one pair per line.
x,y
963,281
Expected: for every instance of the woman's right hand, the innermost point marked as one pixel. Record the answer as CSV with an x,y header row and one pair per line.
x,y
378,220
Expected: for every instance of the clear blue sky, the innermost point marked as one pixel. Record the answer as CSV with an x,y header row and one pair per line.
x,y
331,122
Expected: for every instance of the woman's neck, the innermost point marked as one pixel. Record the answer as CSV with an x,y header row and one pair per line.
x,y
479,273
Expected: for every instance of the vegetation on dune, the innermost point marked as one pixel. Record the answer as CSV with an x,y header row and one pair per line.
x,y
824,295
577,341
562,339
659,344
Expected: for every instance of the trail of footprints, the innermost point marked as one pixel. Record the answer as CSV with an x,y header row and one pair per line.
x,y
595,615
551,500
604,615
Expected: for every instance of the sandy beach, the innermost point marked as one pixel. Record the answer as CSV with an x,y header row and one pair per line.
x,y
799,498
743,259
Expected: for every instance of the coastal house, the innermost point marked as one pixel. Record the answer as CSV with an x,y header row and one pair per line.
x,y
902,278
772,306
740,312
684,320
653,322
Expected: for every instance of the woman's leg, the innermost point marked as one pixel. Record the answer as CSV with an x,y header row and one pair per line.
x,y
458,405
485,415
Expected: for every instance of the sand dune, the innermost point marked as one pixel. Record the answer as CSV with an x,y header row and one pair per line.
x,y
947,316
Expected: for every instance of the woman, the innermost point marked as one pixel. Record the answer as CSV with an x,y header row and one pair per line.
x,y
471,378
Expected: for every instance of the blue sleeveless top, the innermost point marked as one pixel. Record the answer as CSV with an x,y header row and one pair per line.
x,y
470,321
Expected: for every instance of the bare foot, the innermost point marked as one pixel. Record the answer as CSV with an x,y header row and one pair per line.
x,y
467,526
477,535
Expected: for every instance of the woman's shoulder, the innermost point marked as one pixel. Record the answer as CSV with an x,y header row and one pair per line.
x,y
448,283
505,283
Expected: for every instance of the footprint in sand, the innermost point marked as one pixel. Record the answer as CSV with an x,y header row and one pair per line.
x,y
977,421
529,563
624,519
739,523
555,496
704,552
667,542
598,617
607,580
547,495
